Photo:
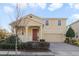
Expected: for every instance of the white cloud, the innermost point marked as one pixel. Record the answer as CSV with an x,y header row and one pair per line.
x,y
22,5
71,5
42,5
74,5
8,9
75,16
32,5
55,6
35,5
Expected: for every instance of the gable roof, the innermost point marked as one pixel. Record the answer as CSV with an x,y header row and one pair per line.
x,y
74,23
23,20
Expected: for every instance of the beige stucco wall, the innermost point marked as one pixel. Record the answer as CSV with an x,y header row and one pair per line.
x,y
54,28
53,32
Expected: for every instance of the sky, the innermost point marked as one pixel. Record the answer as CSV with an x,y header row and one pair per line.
x,y
46,10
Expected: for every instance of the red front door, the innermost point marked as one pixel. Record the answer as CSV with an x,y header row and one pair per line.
x,y
34,34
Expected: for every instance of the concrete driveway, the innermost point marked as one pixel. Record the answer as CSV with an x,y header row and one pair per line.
x,y
63,49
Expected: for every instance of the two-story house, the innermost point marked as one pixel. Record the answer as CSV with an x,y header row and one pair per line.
x,y
34,28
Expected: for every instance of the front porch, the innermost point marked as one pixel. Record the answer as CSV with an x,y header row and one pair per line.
x,y
34,33
29,33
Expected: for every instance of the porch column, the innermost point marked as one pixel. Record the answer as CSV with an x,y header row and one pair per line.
x,y
41,35
26,33
13,30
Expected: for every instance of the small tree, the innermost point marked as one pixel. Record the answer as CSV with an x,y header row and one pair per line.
x,y
70,33
3,34
12,39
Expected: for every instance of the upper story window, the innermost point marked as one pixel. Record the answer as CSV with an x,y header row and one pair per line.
x,y
59,22
47,22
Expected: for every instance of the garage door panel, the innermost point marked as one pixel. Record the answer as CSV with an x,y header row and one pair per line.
x,y
54,37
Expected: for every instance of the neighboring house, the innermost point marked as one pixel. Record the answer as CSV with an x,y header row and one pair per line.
x,y
34,28
75,27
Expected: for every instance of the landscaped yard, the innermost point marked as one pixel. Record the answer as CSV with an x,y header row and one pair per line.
x,y
33,46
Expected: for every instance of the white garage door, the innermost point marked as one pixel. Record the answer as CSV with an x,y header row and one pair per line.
x,y
54,37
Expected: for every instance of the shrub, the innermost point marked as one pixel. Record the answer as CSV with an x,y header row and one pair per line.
x,y
70,33
67,40
2,41
73,41
12,39
42,40
31,45
10,46
76,43
28,45
10,42
44,45
36,45
7,46
21,46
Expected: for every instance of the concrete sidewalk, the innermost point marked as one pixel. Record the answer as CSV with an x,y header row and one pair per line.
x,y
21,53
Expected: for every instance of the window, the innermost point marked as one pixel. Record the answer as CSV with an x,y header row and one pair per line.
x,y
47,23
59,22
